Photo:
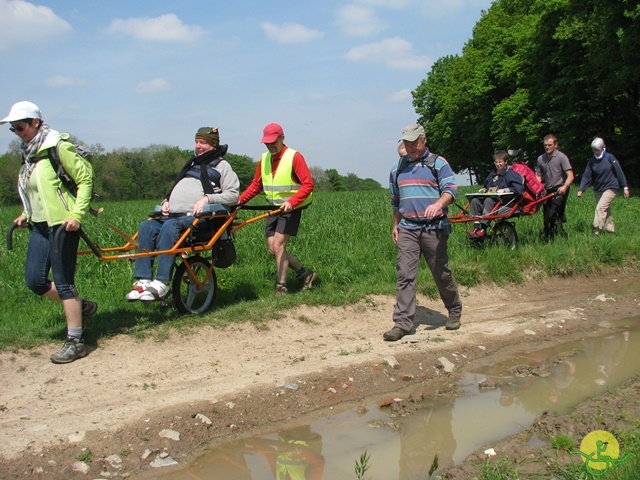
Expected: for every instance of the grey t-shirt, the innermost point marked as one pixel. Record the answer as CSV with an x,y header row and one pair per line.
x,y
553,169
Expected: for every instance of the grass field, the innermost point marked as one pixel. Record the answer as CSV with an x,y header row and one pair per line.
x,y
345,236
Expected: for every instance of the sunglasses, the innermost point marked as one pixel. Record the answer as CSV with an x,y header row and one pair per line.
x,y
18,128
207,130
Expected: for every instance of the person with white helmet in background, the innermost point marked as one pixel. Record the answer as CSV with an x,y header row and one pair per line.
x,y
605,174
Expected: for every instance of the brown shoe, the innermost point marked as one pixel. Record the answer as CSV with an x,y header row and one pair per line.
x,y
280,289
453,323
395,334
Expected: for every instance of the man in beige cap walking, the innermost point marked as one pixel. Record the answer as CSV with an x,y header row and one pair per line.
x,y
422,185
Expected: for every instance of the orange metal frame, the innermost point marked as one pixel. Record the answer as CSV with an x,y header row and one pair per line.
x,y
121,252
525,205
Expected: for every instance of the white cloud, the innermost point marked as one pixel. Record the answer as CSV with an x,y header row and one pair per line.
x,y
359,21
289,32
396,4
165,28
152,86
427,9
439,9
401,95
395,53
62,81
25,24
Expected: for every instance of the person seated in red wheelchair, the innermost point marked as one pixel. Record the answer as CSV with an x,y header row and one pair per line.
x,y
503,179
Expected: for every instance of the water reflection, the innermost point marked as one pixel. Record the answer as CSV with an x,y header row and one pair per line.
x,y
583,370
424,435
296,454
497,401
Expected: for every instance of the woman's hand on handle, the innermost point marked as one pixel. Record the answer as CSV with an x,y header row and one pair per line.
x,y
21,221
71,224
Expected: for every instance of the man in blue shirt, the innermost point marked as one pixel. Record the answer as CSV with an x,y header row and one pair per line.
x,y
422,186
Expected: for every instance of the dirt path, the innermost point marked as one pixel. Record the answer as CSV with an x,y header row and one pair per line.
x,y
118,399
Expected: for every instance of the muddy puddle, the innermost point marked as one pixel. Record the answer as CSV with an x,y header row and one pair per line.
x,y
493,402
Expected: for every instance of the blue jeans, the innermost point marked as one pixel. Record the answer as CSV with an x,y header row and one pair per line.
x,y
42,259
159,234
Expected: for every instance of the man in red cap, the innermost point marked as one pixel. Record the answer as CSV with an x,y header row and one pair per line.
x,y
283,175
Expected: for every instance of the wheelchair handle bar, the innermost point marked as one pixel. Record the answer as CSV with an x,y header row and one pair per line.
x,y
57,239
10,235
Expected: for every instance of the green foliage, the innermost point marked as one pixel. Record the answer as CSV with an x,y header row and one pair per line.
x,y
533,67
434,465
502,469
362,465
148,173
562,443
320,179
332,181
85,456
344,236
244,167
336,180
9,168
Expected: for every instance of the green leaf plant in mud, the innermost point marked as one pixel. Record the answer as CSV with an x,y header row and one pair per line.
x,y
434,465
362,465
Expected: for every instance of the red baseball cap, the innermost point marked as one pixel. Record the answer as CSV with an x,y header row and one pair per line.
x,y
271,133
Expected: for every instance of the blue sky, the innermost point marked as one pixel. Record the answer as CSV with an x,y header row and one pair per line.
x,y
337,75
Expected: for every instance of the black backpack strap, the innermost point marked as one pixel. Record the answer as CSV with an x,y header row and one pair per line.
x,y
402,164
65,178
431,163
205,178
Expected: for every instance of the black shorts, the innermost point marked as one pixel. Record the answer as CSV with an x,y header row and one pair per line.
x,y
287,224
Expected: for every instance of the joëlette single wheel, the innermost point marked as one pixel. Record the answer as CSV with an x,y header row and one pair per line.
x,y
504,233
194,291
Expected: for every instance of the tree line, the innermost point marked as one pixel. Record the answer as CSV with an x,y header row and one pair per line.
x,y
534,67
149,173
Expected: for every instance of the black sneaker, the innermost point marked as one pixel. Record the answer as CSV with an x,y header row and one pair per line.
x,y
88,309
72,349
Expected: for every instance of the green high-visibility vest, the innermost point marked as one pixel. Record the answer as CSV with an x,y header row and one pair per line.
x,y
280,187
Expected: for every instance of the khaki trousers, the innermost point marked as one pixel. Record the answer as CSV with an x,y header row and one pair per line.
x,y
432,244
603,219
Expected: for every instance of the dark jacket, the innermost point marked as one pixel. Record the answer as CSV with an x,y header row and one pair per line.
x,y
604,173
507,178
